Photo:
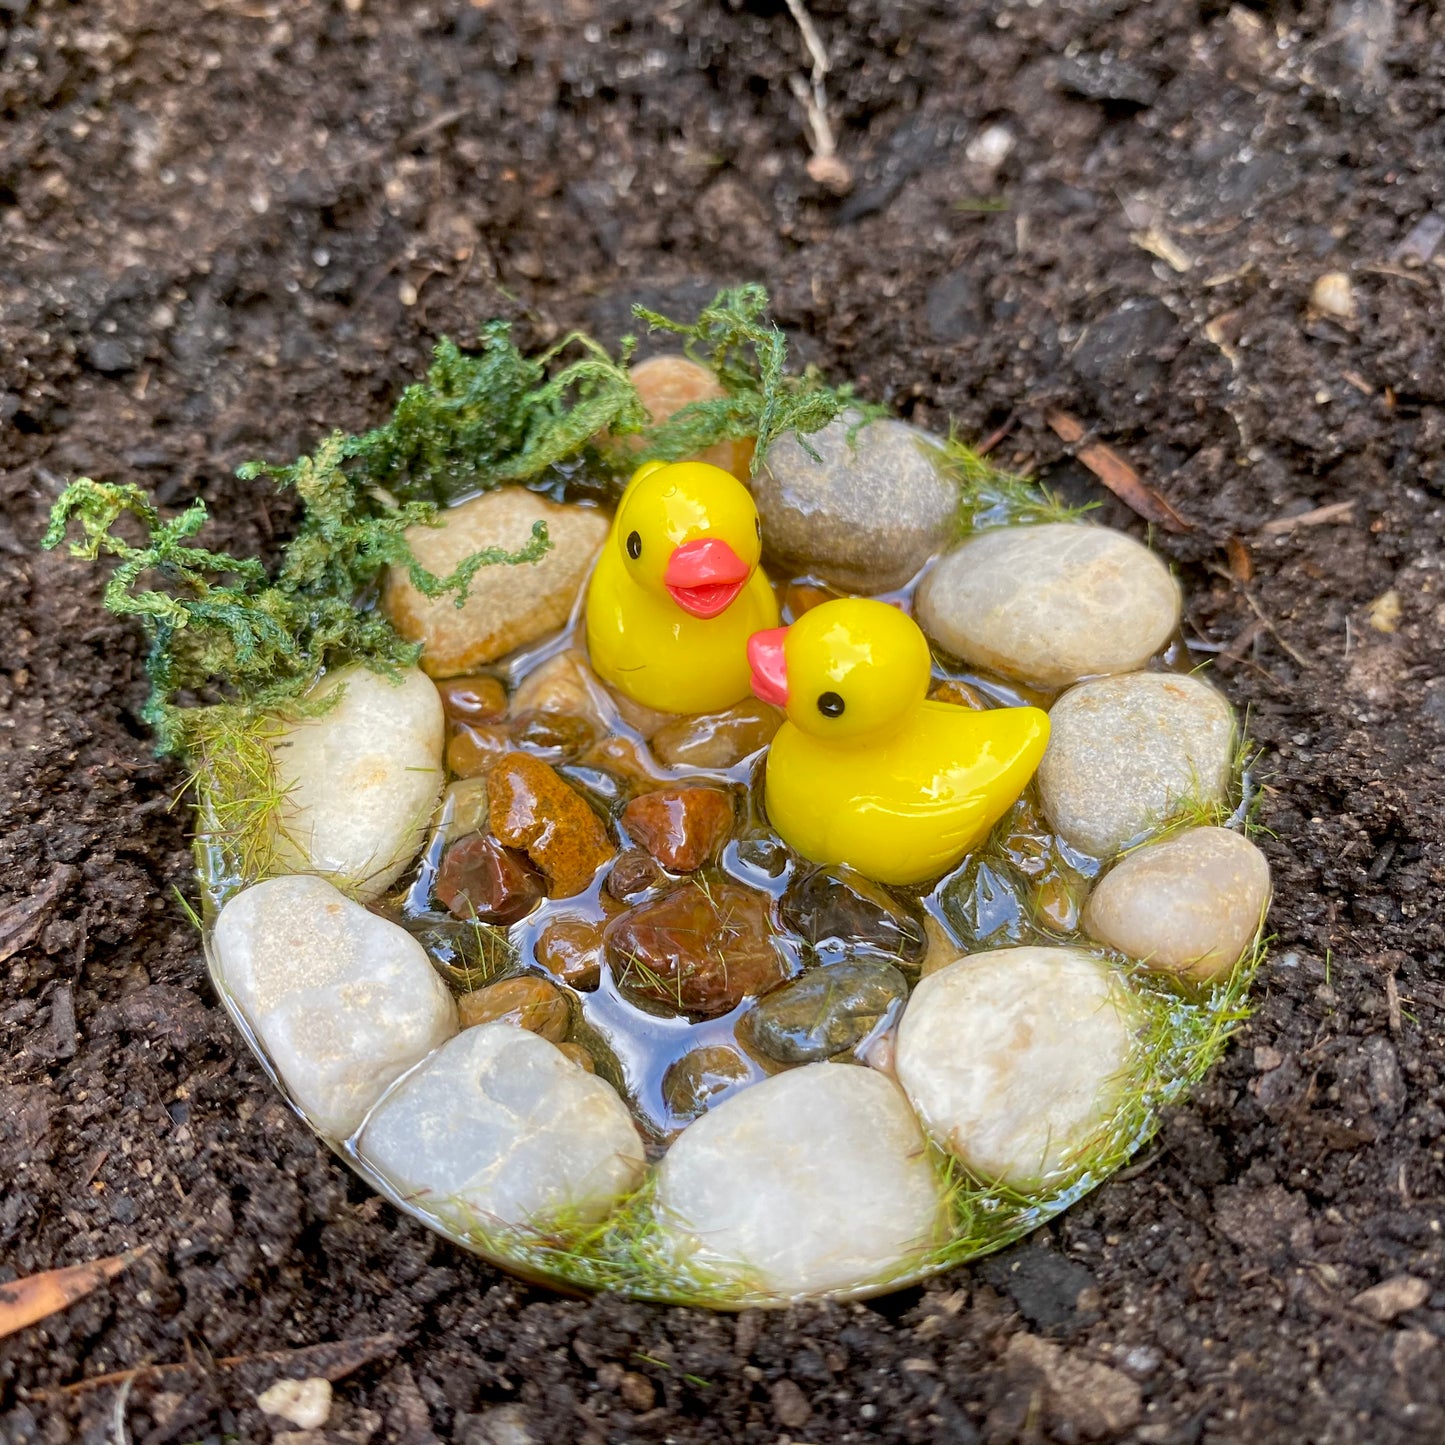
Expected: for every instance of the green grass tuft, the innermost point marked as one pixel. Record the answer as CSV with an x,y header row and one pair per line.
x,y
990,497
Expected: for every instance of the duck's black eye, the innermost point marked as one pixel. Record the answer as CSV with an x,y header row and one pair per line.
x,y
634,545
830,704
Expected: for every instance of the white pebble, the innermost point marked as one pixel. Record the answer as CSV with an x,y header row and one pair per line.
x,y
1126,754
342,1001
813,1181
1016,1059
500,1129
304,1403
361,780
1190,904
1051,604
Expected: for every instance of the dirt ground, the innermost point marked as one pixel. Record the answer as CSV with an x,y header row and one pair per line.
x,y
226,227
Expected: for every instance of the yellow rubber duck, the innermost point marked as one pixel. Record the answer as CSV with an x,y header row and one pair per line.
x,y
866,771
677,590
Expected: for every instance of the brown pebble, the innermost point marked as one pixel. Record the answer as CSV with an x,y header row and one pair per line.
x,y
530,1002
481,879
476,699
668,383
581,1056
1056,905
717,739
637,1392
472,750
532,808
625,759
680,827
554,737
634,874
790,1405
570,949
960,694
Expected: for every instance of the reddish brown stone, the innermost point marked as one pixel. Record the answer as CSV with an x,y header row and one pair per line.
x,y
554,737
530,1002
471,750
696,950
481,879
570,949
680,827
476,699
635,873
532,808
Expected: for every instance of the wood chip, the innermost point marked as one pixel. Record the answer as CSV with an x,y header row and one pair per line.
x,y
21,922
1334,512
27,1301
1241,564
1116,474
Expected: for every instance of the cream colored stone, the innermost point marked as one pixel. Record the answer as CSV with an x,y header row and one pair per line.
x,y
304,1403
361,780
502,1129
342,1001
508,606
1051,604
563,684
1015,1059
1126,753
1189,905
813,1181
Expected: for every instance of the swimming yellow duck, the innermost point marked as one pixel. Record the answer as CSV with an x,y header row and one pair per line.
x,y
677,590
866,771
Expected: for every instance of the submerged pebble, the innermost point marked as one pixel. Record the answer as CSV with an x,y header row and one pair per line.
x,y
480,698
826,1010
473,748
481,879
360,781
527,1001
564,684
680,827
841,913
695,950
500,1130
1127,753
823,516
717,739
816,1179
553,737
570,949
342,1001
1048,605
1016,1058
507,606
702,1078
635,875
533,809
1188,905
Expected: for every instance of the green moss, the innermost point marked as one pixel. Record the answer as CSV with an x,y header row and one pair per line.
x,y
990,497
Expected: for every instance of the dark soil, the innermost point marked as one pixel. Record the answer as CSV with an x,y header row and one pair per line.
x,y
227,227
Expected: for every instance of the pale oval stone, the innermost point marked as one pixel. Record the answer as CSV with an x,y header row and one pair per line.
x,y
508,606
1017,1058
866,516
1051,604
1127,753
812,1181
501,1129
361,780
1189,905
342,1001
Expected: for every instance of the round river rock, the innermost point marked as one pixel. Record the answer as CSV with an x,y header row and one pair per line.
x,y
826,1010
1051,604
824,517
1189,905
501,1129
1016,1058
1125,753
810,1181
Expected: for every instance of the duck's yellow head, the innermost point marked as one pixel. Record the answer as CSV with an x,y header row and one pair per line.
x,y
844,671
689,531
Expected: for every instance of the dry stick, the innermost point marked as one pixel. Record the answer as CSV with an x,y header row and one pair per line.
x,y
1334,512
825,167
1116,473
28,1301
1273,630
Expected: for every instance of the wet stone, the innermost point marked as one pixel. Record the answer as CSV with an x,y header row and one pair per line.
x,y
342,1001
668,383
1127,753
580,1055
760,860
983,903
842,915
634,876
702,1078
527,1001
826,1010
553,737
563,684
696,950
467,953
680,827
480,698
500,1126
570,949
507,607
481,879
533,809
1050,604
463,808
717,739
473,749
822,517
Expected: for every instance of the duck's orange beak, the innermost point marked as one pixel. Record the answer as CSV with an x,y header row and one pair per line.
x,y
705,576
770,668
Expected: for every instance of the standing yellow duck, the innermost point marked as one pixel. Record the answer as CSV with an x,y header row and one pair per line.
x,y
866,771
677,590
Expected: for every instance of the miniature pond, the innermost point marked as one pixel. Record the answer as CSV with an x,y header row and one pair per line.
x,y
530,954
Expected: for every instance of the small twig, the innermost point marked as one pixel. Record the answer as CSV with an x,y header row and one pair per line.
x,y
1116,473
995,437
1334,512
824,166
1273,630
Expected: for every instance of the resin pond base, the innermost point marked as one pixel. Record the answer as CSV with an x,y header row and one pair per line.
x,y
530,957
